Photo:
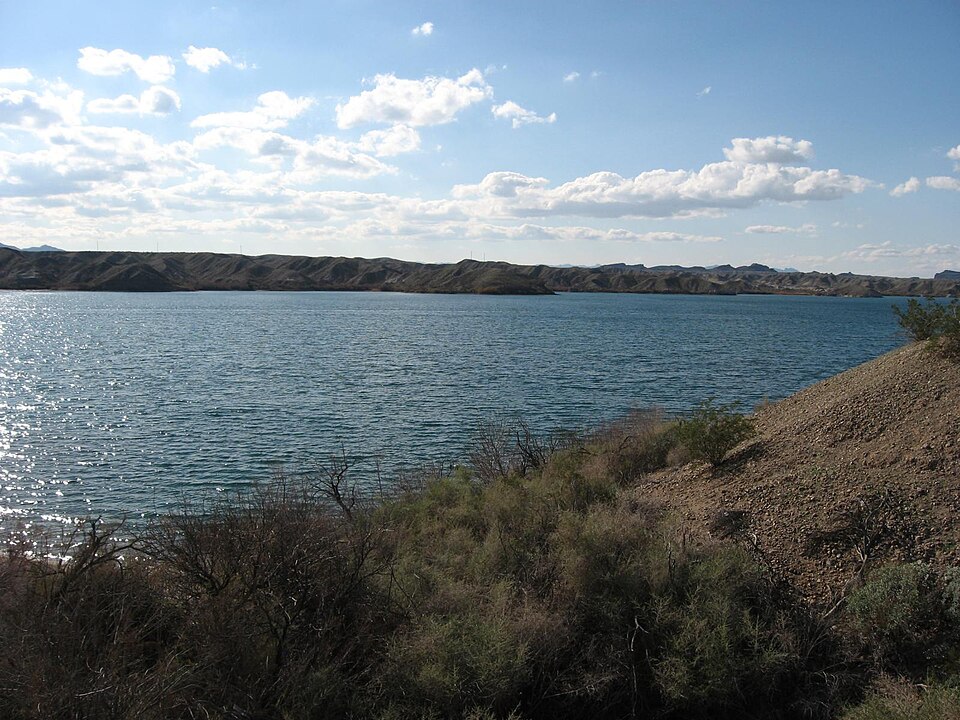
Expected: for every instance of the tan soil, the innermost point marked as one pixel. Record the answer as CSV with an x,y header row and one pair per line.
x,y
872,452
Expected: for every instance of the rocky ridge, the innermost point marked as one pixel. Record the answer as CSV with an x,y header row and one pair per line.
x,y
164,272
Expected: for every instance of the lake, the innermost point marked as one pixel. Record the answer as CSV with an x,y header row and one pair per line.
x,y
125,404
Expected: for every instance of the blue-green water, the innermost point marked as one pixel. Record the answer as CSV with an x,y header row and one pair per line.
x,y
125,403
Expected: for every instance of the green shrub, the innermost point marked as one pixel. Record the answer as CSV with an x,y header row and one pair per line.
x,y
933,321
711,431
902,616
454,663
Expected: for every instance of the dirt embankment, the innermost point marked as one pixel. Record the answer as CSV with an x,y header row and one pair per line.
x,y
856,471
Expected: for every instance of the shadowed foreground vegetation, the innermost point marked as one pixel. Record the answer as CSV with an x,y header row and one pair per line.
x,y
531,584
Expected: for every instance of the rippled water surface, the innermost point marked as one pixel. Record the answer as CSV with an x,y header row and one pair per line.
x,y
126,403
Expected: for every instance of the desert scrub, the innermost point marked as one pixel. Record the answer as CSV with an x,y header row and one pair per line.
x,y
935,322
711,431
904,617
901,700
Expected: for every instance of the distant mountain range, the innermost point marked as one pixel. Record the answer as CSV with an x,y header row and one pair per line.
x,y
159,272
38,248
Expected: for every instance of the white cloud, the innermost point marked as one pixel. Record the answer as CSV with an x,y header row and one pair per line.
x,y
29,110
806,229
431,101
155,69
904,188
954,154
274,110
393,141
206,59
424,29
520,116
926,257
705,91
571,77
15,76
301,161
660,193
772,149
156,100
942,182
78,161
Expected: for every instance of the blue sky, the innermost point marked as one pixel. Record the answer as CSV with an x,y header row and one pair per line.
x,y
818,135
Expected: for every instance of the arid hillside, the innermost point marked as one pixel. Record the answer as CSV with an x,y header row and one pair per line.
x,y
161,272
856,471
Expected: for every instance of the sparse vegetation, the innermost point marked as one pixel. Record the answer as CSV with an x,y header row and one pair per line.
x,y
533,584
936,322
712,430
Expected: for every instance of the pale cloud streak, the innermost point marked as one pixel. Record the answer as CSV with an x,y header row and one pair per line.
x,y
806,229
520,116
156,69
273,110
396,140
424,29
156,100
571,77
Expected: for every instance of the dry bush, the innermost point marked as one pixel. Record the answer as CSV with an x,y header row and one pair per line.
x,y
278,592
639,443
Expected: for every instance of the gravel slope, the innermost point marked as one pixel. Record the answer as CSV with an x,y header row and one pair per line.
x,y
855,471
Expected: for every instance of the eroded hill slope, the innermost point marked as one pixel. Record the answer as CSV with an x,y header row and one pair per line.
x,y
860,469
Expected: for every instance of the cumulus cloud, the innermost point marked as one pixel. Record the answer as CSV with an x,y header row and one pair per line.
x,y
571,77
772,149
274,110
206,59
942,182
393,141
520,116
954,154
15,76
156,100
155,69
805,229
424,29
430,101
705,91
81,160
712,189
34,111
907,187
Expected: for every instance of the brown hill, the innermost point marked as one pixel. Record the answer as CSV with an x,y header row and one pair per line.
x,y
857,470
151,272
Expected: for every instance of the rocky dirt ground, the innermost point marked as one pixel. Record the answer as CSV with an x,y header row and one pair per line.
x,y
853,472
